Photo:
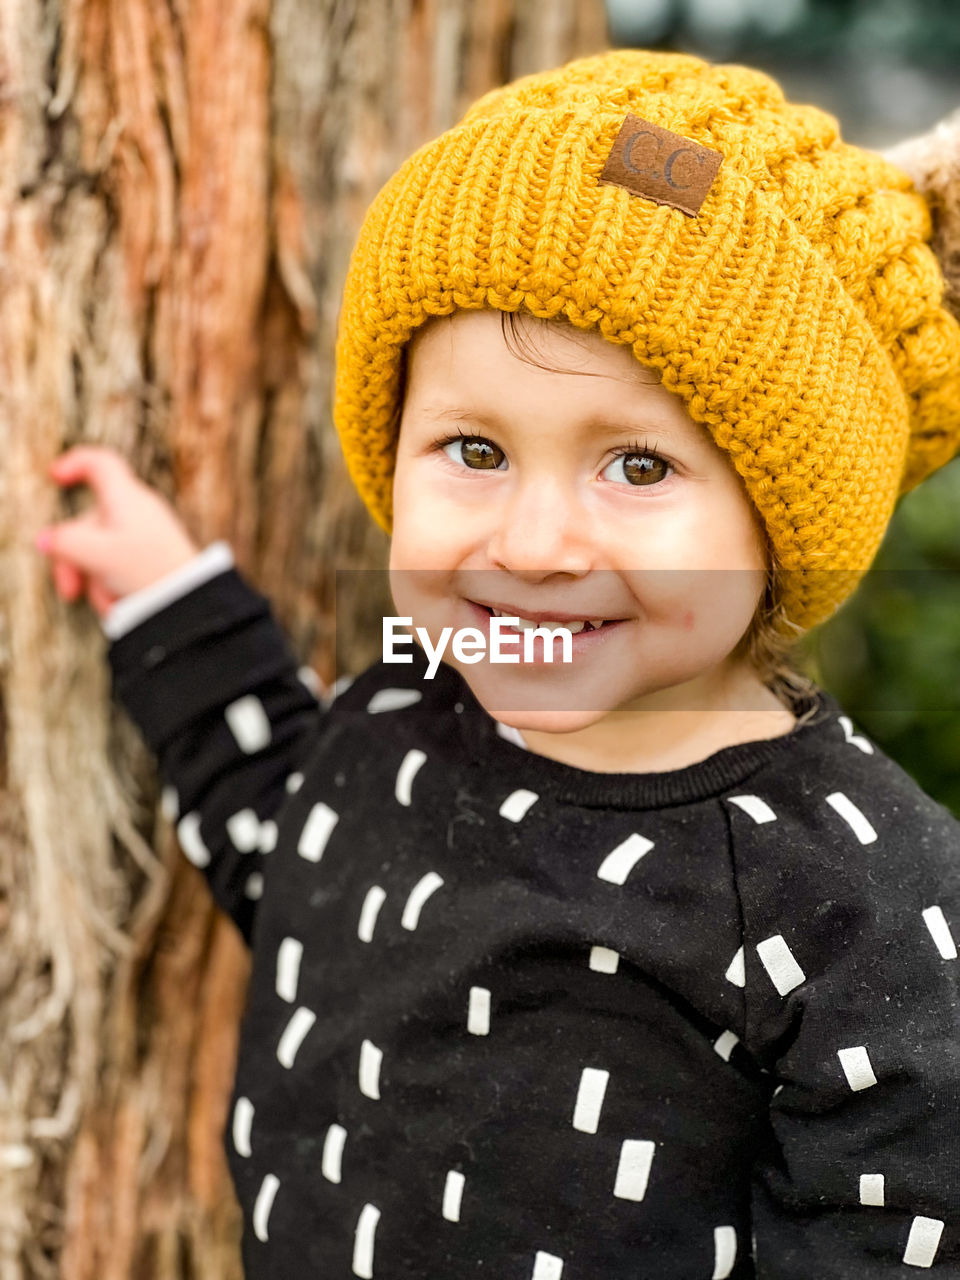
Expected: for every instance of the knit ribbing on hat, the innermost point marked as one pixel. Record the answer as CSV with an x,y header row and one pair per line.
x,y
799,314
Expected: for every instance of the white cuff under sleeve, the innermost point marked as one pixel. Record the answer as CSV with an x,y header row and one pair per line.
x,y
139,605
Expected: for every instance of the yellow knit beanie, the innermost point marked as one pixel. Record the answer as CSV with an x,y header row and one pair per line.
x,y
798,311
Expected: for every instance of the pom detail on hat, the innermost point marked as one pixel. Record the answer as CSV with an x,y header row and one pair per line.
x,y
932,160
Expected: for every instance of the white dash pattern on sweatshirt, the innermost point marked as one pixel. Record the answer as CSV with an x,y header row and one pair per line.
x,y
604,960
243,828
393,700
294,1034
724,1044
424,889
724,1252
410,766
871,1189
478,1012
242,1126
780,963
263,1204
855,739
453,1195
188,833
936,922
620,861
737,970
852,816
316,832
923,1242
633,1169
331,1161
249,723
546,1266
590,1095
758,809
364,1240
374,900
371,1059
857,1067
517,804
289,955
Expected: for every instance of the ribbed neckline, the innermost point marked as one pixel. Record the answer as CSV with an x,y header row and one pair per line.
x,y
708,778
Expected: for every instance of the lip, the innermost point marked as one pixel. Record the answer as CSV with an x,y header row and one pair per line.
x,y
582,642
534,616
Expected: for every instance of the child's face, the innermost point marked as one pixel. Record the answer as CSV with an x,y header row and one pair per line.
x,y
535,510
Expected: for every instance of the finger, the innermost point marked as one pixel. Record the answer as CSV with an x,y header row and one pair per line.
x,y
83,543
84,454
99,467
67,580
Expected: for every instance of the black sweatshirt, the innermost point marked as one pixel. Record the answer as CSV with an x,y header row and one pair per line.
x,y
515,1019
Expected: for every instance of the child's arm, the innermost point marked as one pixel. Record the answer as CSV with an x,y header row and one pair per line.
x,y
203,669
853,1002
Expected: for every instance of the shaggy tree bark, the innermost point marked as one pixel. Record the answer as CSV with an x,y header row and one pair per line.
x,y
181,184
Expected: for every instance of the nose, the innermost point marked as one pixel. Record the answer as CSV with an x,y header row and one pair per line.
x,y
541,529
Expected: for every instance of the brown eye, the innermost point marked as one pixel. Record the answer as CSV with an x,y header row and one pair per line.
x,y
642,470
478,454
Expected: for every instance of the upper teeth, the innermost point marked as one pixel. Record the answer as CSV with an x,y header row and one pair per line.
x,y
527,624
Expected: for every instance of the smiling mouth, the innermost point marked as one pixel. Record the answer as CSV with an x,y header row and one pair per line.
x,y
575,627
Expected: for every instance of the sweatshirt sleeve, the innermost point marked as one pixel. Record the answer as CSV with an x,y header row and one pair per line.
x,y
851,895
134,608
214,687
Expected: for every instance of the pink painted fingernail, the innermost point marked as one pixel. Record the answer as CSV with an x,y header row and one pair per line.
x,y
43,540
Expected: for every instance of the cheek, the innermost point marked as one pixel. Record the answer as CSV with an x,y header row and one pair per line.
x,y
722,605
745,543
410,534
735,540
711,606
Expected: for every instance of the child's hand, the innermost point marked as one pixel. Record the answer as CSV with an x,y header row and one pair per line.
x,y
126,541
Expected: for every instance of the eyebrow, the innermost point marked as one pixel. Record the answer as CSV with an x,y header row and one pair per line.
x,y
594,422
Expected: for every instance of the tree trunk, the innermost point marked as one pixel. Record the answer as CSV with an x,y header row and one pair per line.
x,y
181,185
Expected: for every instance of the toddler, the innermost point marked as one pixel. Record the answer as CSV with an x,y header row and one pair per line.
x,y
642,964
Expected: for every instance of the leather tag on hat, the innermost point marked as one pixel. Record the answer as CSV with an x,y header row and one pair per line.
x,y
652,162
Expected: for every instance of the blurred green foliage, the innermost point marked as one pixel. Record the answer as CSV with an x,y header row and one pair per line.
x,y
926,31
891,654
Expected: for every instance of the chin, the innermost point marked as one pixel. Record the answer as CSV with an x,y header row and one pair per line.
x,y
538,714
547,721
